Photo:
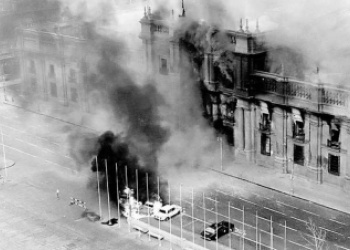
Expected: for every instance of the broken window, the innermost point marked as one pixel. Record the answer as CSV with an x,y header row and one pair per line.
x,y
298,129
299,155
333,164
334,136
298,125
228,131
265,145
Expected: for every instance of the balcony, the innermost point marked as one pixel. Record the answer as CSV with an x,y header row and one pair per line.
x,y
333,144
265,128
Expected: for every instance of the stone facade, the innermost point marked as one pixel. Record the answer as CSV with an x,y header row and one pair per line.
x,y
298,128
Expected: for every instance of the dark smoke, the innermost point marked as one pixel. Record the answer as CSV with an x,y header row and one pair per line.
x,y
114,151
136,147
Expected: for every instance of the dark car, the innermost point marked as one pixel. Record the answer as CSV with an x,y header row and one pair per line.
x,y
217,229
110,222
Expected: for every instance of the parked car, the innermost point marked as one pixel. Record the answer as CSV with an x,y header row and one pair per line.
x,y
217,229
91,216
166,212
110,222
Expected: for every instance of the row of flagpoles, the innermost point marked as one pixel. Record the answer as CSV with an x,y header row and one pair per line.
x,y
258,242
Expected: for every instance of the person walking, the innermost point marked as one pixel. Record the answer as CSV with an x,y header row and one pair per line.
x,y
58,194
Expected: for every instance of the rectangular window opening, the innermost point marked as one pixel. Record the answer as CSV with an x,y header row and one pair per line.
x,y
163,66
265,145
333,164
53,89
299,155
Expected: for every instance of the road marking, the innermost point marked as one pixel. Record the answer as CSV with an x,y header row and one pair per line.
x,y
40,147
275,211
341,223
237,197
332,231
298,219
50,162
190,223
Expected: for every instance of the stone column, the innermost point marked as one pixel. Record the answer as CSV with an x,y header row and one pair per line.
x,y
315,145
248,145
347,145
239,130
290,142
44,80
280,121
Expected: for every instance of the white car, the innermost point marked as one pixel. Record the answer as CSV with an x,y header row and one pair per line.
x,y
167,211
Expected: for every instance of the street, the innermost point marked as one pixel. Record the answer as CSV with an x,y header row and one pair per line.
x,y
43,165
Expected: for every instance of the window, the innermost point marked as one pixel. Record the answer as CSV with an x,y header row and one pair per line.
x,y
298,129
299,155
32,67
265,145
163,66
333,164
53,89
334,132
74,94
265,119
52,71
33,83
228,131
72,76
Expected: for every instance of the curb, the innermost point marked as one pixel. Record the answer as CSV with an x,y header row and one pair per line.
x,y
176,240
279,191
12,163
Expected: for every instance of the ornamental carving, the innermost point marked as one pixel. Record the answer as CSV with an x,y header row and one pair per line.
x,y
334,97
299,90
269,85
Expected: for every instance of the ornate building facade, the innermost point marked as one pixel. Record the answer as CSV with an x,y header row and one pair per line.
x,y
296,127
42,61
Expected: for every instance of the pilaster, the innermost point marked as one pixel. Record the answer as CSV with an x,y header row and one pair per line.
x,y
280,123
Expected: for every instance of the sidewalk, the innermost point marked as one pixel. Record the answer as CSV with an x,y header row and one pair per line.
x,y
322,194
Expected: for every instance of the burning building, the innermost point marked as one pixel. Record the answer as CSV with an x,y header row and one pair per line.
x,y
269,118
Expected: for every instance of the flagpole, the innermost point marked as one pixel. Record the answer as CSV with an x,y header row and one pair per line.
x,y
137,196
192,220
128,196
271,235
243,229
116,166
149,236
204,219
109,208
98,190
4,154
171,247
229,220
221,152
256,230
159,219
216,218
181,215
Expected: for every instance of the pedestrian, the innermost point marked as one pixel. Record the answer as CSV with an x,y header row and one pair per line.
x,y
58,194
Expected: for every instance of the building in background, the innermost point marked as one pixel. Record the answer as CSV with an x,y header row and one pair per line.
x,y
296,127
43,60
